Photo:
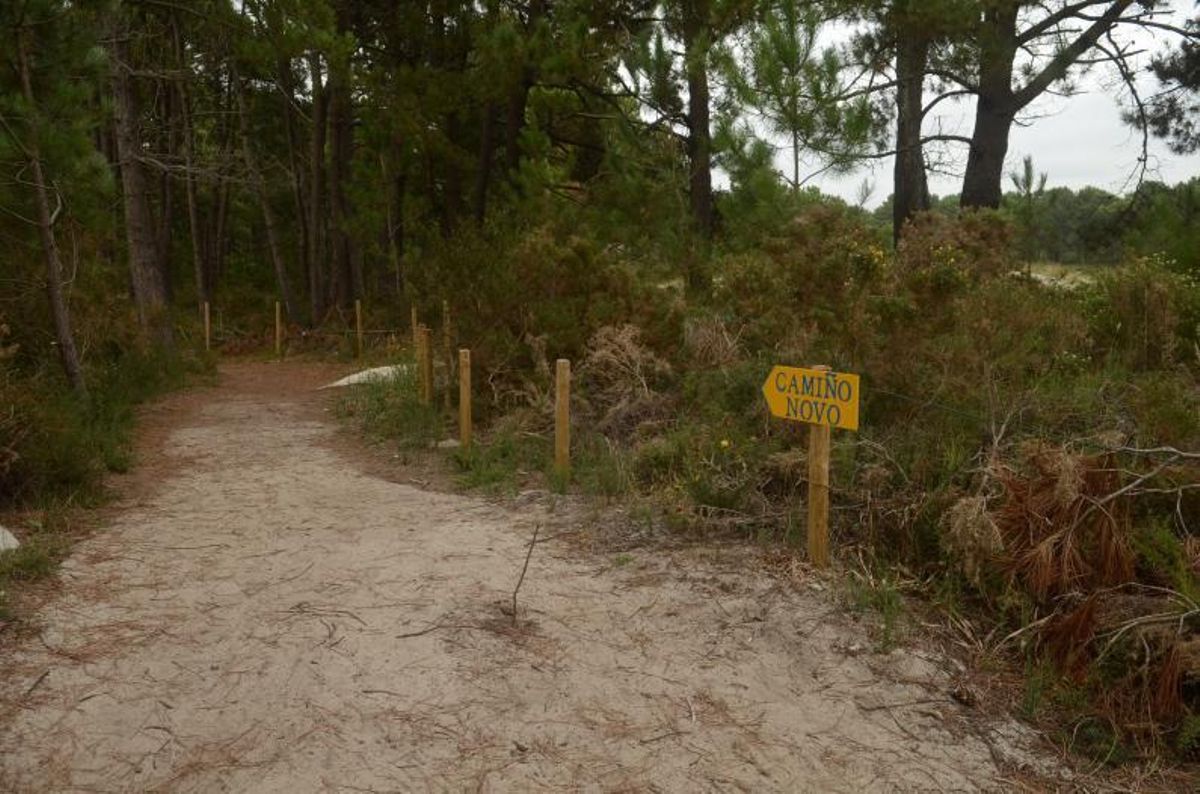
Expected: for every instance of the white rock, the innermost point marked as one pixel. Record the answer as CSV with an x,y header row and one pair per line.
x,y
8,540
369,376
449,443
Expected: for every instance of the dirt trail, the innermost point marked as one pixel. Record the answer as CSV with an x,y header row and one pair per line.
x,y
252,622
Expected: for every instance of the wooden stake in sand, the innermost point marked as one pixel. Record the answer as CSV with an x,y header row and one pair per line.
x,y
464,398
207,327
447,349
358,326
425,363
562,418
278,330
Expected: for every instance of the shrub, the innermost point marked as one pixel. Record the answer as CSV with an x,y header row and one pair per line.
x,y
1144,314
942,251
56,446
510,285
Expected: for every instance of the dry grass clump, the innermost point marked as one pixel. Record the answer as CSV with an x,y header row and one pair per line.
x,y
1073,539
618,366
1191,550
971,536
1142,643
1062,523
621,374
710,343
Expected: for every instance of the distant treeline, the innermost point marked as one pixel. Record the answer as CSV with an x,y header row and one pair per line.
x,y
1091,226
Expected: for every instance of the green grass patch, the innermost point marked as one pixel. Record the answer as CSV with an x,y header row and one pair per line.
x,y
601,468
880,596
391,410
499,464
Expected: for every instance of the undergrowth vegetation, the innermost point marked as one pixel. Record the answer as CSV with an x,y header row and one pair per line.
x,y
56,447
1027,451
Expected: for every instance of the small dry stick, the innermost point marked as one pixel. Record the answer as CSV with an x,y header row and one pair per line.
x,y
524,568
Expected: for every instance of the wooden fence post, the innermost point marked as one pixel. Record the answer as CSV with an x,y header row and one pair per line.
x,y
562,418
464,398
419,354
425,362
207,327
358,325
818,491
447,349
416,326
278,330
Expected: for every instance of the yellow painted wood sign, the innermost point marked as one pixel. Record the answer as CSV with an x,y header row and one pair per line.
x,y
814,396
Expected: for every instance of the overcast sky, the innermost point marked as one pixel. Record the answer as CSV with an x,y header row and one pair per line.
x,y
1076,141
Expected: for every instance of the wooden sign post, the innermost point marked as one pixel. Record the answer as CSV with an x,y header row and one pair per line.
x,y
464,399
562,418
278,330
358,326
207,328
823,399
818,494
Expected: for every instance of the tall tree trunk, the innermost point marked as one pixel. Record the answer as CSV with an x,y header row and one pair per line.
x,y
699,142
264,201
220,235
340,151
452,178
316,185
189,176
149,290
484,174
394,187
999,102
699,133
984,177
218,229
163,108
63,335
518,97
911,193
795,160
295,164
514,123
995,108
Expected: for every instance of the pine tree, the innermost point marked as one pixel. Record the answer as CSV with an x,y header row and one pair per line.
x,y
44,142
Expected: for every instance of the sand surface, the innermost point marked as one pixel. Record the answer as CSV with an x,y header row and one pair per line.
x,y
263,614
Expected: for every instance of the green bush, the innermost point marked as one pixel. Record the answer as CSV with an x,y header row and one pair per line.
x,y
58,446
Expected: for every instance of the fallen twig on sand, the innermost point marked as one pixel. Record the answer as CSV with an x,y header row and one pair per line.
x,y
437,626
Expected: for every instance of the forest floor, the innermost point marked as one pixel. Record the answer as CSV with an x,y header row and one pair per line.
x,y
267,610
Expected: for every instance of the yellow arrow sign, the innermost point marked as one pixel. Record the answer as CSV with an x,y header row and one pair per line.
x,y
814,396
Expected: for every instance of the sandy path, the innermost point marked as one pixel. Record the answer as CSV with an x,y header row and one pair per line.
x,y
241,627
